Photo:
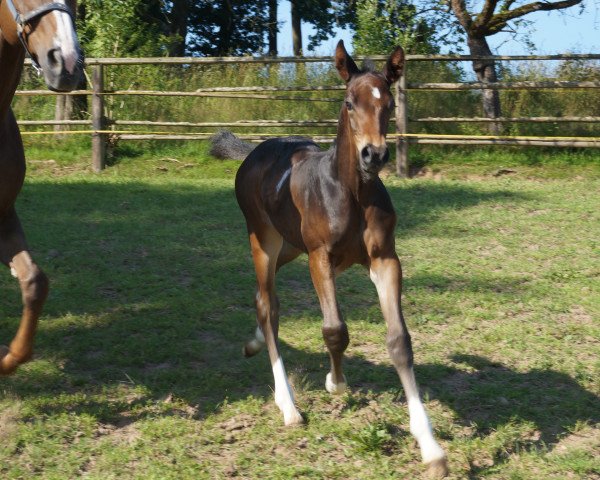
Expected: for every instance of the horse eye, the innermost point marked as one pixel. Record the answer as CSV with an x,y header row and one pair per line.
x,y
348,105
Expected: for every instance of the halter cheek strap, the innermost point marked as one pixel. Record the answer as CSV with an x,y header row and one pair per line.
x,y
23,19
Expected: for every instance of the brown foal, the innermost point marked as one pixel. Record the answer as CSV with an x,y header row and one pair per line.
x,y
333,206
47,32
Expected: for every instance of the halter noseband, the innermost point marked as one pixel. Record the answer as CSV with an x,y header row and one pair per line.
x,y
22,20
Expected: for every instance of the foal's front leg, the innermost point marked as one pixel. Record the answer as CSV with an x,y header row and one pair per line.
x,y
335,331
386,274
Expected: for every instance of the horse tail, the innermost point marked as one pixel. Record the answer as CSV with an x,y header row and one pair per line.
x,y
225,144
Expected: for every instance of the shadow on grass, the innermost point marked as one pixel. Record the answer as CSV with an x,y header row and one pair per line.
x,y
152,287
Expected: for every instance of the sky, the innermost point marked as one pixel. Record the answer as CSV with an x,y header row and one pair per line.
x,y
552,33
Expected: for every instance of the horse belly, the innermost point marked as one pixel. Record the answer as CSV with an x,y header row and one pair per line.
x,y
12,163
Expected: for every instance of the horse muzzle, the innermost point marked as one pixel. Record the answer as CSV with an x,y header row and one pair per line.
x,y
63,69
372,158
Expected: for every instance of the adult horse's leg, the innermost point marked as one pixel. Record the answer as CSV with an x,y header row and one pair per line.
x,y
34,289
266,246
335,331
386,274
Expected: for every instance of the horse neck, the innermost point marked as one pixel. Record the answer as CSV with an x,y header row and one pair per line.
x,y
346,158
346,162
11,66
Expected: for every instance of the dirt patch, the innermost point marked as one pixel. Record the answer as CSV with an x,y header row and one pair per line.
x,y
8,422
586,439
123,432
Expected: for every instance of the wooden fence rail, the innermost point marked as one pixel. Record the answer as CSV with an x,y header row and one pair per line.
x,y
103,127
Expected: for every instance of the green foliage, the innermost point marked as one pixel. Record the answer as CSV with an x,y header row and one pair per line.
x,y
374,438
383,24
119,28
555,103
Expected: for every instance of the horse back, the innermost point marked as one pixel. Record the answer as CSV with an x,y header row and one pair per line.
x,y
262,186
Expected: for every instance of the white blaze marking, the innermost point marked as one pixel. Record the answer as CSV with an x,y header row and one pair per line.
x,y
65,37
283,179
376,93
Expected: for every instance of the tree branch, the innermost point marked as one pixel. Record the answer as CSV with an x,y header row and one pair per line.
x,y
459,8
498,21
486,14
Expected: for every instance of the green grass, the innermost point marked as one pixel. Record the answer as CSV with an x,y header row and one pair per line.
x,y
138,370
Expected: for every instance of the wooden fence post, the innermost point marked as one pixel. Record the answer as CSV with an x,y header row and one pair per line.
x,y
401,127
98,123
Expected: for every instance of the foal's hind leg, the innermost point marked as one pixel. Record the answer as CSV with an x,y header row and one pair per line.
x,y
266,246
335,331
386,274
34,289
287,254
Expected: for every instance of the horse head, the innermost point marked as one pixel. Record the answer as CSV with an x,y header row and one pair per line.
x,y
368,105
47,32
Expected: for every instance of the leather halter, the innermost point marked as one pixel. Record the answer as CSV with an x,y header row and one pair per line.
x,y
23,19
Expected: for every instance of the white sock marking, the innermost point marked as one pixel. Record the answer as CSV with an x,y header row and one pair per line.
x,y
376,93
421,430
258,342
284,398
335,388
283,179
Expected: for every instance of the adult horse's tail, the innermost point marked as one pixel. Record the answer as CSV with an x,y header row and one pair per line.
x,y
225,144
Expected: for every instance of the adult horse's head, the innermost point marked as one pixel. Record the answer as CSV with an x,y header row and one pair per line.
x,y
46,29
368,106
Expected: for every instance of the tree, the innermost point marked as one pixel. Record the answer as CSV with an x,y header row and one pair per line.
x,y
381,25
323,15
228,27
495,16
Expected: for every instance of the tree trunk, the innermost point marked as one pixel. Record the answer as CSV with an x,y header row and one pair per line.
x,y
296,28
225,30
178,27
63,108
486,73
272,28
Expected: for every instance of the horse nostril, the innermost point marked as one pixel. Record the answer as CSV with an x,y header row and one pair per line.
x,y
386,156
365,152
55,59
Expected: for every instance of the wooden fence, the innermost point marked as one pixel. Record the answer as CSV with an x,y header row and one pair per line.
x,y
103,127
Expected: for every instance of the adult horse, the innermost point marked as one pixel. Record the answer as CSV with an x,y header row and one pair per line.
x,y
47,32
333,206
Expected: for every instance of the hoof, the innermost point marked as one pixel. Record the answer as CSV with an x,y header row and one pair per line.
x,y
293,419
252,348
8,363
437,468
335,388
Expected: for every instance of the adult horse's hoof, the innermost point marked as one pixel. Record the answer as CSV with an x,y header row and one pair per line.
x,y
8,363
437,468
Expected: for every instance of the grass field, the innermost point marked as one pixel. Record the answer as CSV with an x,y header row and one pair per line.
x,y
138,370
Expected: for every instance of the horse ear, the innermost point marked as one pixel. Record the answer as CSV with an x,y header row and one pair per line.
x,y
344,63
394,66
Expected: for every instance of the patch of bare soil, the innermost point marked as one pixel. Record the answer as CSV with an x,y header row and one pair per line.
x,y
124,432
8,422
587,438
426,172
52,167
